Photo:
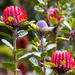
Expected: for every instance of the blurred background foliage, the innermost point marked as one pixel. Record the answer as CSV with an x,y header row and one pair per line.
x,y
28,5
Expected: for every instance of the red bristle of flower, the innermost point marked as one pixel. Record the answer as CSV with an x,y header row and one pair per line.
x,y
59,56
53,14
16,12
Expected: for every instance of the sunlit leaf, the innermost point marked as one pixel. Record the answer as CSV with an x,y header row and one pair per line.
x,y
62,38
34,73
22,33
7,43
33,61
68,25
50,46
24,56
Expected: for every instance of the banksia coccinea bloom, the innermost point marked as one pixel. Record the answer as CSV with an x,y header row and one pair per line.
x,y
16,12
41,24
58,57
53,13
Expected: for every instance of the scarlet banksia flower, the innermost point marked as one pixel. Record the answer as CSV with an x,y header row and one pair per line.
x,y
58,57
53,13
41,24
16,12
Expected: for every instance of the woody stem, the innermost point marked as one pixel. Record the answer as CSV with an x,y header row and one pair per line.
x,y
14,45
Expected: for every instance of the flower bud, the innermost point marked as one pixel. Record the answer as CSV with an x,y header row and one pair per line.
x,y
58,57
42,24
70,38
17,13
53,13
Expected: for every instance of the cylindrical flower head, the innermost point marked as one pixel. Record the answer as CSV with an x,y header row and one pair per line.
x,y
41,24
59,56
53,14
16,12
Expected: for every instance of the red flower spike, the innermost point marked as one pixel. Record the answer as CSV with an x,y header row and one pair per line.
x,y
16,12
58,57
53,14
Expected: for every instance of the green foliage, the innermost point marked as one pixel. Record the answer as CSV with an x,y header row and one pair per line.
x,y
39,17
38,9
53,21
33,61
68,25
9,66
43,55
18,51
49,64
22,21
34,49
34,73
43,29
58,13
4,34
10,19
62,63
73,23
22,33
7,26
62,38
50,46
38,69
7,43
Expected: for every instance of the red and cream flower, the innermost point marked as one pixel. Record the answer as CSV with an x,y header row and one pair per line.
x,y
58,57
16,12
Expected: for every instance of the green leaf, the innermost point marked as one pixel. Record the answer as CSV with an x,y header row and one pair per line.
x,y
68,25
58,13
33,61
37,28
7,43
36,39
24,56
9,66
43,29
38,9
62,63
33,43
22,21
38,69
62,38
34,49
50,29
49,64
39,17
4,34
73,23
37,53
53,21
45,0
64,31
41,1
22,33
18,51
50,52
3,24
10,19
50,46
43,55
